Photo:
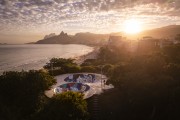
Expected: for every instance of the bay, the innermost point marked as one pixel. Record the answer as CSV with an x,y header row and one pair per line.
x,y
35,56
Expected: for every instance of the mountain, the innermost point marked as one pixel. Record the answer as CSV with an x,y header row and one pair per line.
x,y
62,38
91,38
87,38
169,32
164,32
50,35
79,38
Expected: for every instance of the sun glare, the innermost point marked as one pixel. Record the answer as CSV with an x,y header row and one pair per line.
x,y
132,26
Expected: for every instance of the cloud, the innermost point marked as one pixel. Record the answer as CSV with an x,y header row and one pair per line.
x,y
101,15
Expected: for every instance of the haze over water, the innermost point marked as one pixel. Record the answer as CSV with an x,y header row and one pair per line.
x,y
26,57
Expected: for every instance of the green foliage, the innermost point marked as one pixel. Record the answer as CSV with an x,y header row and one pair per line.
x,y
146,86
90,69
89,62
73,69
56,72
57,66
22,93
173,70
172,53
106,55
66,106
59,63
177,37
107,69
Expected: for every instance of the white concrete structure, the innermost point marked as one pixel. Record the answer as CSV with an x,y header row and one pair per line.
x,y
95,88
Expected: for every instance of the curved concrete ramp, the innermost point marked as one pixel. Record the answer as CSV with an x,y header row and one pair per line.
x,y
94,81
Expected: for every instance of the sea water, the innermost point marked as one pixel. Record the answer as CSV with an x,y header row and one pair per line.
x,y
35,56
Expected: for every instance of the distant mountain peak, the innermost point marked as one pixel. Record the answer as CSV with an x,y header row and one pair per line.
x,y
79,38
62,33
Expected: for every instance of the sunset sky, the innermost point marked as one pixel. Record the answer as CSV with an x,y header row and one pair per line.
x,y
24,21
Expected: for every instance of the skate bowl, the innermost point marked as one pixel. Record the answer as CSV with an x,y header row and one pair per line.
x,y
86,83
75,87
81,78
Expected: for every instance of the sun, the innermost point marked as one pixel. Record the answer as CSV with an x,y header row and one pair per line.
x,y
132,26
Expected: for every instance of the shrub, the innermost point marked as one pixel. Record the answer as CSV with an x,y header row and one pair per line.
x,y
65,106
88,69
22,93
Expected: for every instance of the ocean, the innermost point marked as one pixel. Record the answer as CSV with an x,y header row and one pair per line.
x,y
35,56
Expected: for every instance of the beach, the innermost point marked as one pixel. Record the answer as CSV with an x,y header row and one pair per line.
x,y
90,55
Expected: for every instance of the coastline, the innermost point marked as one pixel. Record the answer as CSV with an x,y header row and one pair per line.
x,y
91,55
22,61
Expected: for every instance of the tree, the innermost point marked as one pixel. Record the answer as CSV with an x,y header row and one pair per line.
x,y
172,53
177,37
61,65
65,106
22,93
88,69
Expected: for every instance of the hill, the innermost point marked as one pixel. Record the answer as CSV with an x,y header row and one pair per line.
x,y
62,38
164,32
79,38
87,38
91,38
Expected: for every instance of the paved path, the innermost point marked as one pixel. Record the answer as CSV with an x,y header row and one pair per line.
x,y
96,108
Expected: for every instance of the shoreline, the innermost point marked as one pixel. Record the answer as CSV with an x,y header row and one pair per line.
x,y
27,63
91,55
77,59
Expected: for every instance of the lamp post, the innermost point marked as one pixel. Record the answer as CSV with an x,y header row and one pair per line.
x,y
101,77
52,68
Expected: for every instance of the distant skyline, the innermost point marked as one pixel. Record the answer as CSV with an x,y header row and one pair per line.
x,y
24,21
